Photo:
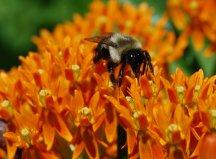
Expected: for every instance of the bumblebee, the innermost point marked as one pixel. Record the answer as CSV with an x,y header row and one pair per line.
x,y
122,49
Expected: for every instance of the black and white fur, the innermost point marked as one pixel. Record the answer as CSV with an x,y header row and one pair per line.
x,y
121,49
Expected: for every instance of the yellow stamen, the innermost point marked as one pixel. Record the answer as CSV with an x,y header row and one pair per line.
x,y
171,130
5,104
213,118
180,91
85,113
40,71
196,91
25,132
76,71
131,102
154,88
43,93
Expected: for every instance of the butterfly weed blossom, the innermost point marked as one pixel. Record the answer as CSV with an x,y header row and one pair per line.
x,y
59,104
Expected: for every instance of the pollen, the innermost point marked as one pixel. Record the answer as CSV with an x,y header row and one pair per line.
x,y
110,84
196,91
76,71
86,111
197,88
213,118
154,88
180,90
40,71
43,93
130,101
75,67
72,147
5,104
136,115
173,133
25,132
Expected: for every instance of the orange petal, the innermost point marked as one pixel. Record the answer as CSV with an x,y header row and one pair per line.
x,y
208,145
121,109
78,99
78,150
157,150
143,122
48,155
145,150
94,101
49,134
110,124
146,87
91,146
172,95
69,74
37,79
132,144
59,124
11,150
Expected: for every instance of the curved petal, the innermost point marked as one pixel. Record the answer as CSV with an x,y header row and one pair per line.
x,y
78,150
59,124
90,143
49,134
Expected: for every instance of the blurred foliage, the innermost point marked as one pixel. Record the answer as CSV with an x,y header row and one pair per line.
x,y
20,20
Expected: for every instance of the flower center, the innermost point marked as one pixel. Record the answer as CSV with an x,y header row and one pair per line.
x,y
5,104
173,133
180,91
131,102
42,95
76,71
213,118
153,86
40,71
25,132
85,116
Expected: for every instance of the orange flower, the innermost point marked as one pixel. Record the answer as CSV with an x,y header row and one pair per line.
x,y
88,119
58,103
196,18
135,116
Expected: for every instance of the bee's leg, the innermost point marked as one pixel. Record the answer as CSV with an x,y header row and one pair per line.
x,y
121,73
111,66
148,61
144,67
151,67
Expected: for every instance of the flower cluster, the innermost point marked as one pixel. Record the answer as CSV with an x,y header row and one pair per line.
x,y
59,104
196,20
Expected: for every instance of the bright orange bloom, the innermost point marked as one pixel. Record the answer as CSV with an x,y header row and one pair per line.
x,y
59,104
135,115
196,19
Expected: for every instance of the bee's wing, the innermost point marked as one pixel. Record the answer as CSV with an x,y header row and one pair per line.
x,y
103,38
